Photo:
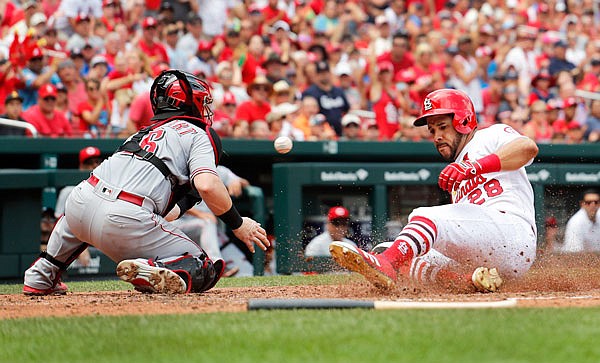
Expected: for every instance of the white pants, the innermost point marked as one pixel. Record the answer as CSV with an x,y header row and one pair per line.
x,y
471,236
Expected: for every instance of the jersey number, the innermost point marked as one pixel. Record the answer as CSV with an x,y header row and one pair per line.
x,y
149,142
492,188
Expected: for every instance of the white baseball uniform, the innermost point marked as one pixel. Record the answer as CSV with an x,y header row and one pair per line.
x,y
491,221
119,208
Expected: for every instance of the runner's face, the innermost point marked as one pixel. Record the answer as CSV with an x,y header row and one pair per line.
x,y
445,138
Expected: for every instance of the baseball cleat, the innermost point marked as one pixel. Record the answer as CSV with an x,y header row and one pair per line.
x,y
486,280
375,268
59,289
381,247
150,279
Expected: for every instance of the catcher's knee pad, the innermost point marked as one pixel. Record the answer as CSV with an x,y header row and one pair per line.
x,y
198,272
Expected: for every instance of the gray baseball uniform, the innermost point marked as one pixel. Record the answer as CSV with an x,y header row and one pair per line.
x,y
119,208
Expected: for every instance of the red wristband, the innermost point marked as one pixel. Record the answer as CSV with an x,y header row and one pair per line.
x,y
488,164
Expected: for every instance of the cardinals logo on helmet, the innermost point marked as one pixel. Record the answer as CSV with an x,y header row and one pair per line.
x,y
427,105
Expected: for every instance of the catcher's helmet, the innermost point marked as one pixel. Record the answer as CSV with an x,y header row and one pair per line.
x,y
175,90
449,102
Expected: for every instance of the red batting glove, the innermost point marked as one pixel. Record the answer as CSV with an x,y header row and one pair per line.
x,y
453,174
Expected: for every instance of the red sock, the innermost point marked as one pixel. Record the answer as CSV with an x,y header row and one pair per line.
x,y
399,254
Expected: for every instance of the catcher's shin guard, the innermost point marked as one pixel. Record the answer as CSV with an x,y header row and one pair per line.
x,y
199,272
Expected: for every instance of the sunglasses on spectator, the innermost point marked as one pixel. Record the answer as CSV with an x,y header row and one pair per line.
x,y
229,104
590,202
261,88
49,99
91,89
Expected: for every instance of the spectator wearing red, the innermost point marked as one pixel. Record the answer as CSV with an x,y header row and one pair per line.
x,y
538,128
94,113
492,97
224,116
253,59
591,78
71,80
399,55
428,75
149,44
10,81
36,74
540,87
45,118
384,98
112,14
203,63
140,113
272,13
258,106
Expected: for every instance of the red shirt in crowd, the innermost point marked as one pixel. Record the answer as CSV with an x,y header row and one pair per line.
x,y
51,127
103,121
155,52
250,111
251,64
140,111
406,61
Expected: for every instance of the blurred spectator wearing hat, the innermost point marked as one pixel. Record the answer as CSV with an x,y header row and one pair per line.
x,y
319,128
370,130
332,101
228,79
280,121
112,14
329,19
22,19
346,81
224,114
150,43
281,42
274,68
62,101
385,99
466,73
94,113
540,87
203,63
538,128
35,74
337,228
282,93
48,121
522,58
69,10
73,83
83,34
182,9
592,123
352,128
558,60
10,79
98,68
187,45
591,78
258,106
399,55
13,105
383,40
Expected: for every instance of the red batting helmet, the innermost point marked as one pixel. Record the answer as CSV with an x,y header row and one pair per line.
x,y
449,102
175,90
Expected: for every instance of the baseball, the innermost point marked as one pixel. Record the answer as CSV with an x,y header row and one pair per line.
x,y
283,144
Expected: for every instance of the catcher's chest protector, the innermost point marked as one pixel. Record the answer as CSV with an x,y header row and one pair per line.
x,y
199,273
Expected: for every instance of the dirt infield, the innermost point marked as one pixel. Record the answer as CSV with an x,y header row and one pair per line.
x,y
554,281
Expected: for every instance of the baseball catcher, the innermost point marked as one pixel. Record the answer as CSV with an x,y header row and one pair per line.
x,y
487,233
125,207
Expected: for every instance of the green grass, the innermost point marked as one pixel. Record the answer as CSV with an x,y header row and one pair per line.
x,y
495,335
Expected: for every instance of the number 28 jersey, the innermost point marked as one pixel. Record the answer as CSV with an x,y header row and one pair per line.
x,y
506,191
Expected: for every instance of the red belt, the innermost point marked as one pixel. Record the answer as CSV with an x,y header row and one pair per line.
x,y
123,195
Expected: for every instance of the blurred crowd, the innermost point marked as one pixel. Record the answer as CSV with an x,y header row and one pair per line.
x,y
307,69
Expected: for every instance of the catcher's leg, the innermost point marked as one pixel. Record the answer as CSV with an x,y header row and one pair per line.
x,y
179,274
